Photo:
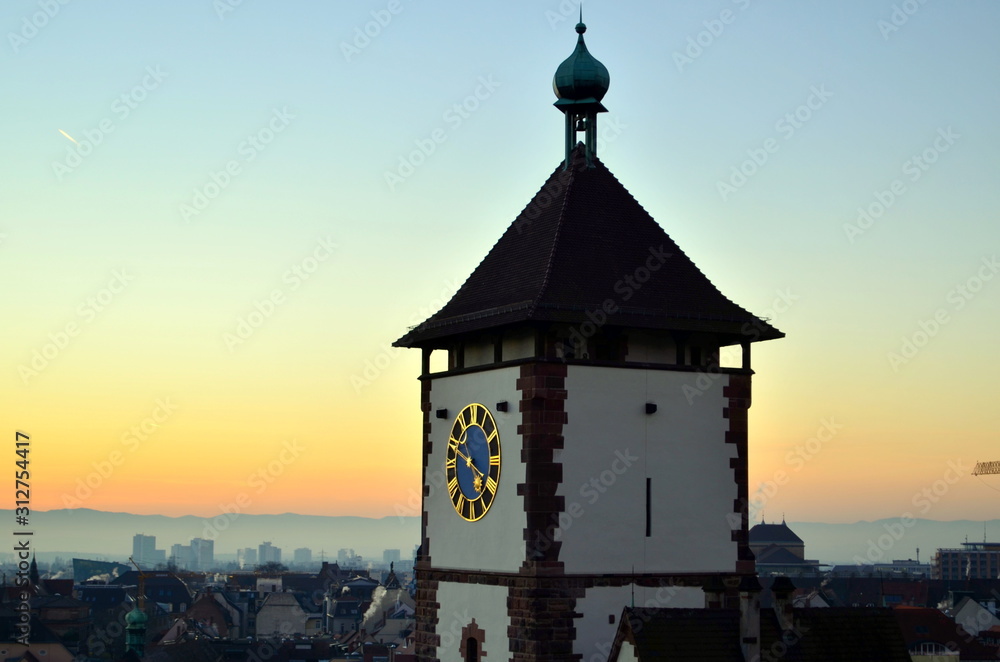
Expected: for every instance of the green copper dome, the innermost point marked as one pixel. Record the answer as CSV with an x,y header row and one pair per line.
x,y
581,77
136,617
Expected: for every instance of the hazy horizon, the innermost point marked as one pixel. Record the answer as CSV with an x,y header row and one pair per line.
x,y
866,541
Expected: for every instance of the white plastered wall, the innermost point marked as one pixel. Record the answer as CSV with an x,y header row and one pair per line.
x,y
612,446
627,652
460,603
495,542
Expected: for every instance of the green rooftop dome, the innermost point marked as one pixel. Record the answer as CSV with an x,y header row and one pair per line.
x,y
581,78
136,617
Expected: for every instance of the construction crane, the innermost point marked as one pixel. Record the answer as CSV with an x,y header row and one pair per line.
x,y
986,468
136,620
141,598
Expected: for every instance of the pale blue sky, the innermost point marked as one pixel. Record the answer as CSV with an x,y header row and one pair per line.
x,y
348,119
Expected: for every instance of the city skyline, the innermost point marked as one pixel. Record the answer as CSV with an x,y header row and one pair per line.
x,y
206,296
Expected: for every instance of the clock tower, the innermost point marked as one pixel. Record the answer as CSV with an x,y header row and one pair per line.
x,y
583,450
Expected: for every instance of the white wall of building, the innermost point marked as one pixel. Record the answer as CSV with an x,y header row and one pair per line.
x,y
495,542
627,652
460,603
613,446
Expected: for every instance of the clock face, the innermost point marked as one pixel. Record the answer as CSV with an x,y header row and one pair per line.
x,y
472,462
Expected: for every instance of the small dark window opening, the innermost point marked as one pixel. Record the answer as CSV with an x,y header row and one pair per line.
x,y
649,519
471,650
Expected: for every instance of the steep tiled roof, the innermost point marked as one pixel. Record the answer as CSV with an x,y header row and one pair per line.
x,y
835,634
774,554
40,634
922,625
828,635
773,533
570,251
712,635
102,596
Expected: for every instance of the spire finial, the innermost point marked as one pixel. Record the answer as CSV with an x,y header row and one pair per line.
x,y
580,83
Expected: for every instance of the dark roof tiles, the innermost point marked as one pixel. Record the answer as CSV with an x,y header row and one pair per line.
x,y
685,634
773,533
583,242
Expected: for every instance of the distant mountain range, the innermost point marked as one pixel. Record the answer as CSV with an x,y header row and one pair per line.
x,y
887,539
97,534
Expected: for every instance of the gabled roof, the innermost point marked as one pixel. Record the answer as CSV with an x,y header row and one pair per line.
x,y
836,634
58,586
775,555
773,533
49,603
392,582
346,608
40,633
921,625
828,635
161,587
681,634
102,596
574,248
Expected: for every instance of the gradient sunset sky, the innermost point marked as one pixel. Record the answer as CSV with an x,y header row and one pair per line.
x,y
124,290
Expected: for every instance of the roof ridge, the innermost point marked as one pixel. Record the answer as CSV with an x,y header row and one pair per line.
x,y
556,234
689,259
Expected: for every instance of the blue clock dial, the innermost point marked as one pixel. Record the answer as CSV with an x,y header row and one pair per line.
x,y
472,462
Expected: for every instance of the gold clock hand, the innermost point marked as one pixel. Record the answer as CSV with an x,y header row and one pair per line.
x,y
468,460
469,463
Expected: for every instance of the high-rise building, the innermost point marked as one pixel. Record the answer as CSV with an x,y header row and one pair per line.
x,y
303,556
180,556
144,549
203,554
974,560
268,553
390,556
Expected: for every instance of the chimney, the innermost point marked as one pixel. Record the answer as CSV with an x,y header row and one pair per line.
x,y
715,593
782,590
750,617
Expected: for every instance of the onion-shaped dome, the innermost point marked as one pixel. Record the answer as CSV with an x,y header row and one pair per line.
x,y
581,77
